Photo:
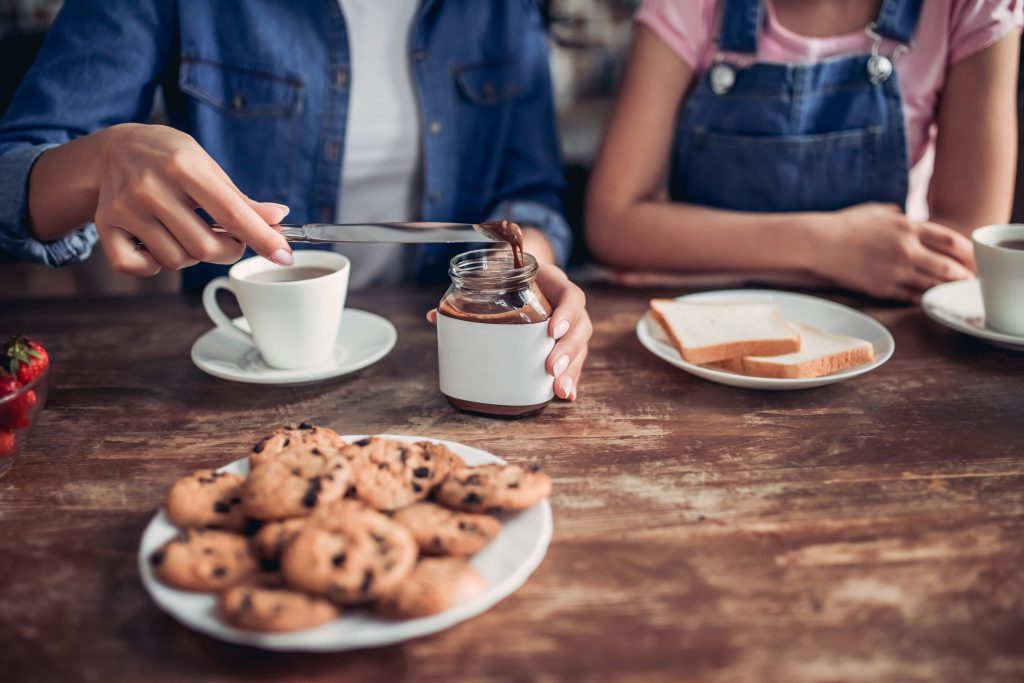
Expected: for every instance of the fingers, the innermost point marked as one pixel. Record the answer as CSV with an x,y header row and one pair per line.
x,y
160,243
124,254
940,266
272,213
568,385
195,235
226,205
569,347
570,301
949,242
432,316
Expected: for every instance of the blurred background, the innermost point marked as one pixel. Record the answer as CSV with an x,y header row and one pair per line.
x,y
589,42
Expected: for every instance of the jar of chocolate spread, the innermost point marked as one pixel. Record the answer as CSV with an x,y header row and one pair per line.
x,y
492,335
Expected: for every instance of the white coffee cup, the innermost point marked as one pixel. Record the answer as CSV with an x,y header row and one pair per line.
x,y
1001,273
294,322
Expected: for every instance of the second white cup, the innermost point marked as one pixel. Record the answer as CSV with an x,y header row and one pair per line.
x,y
294,311
999,253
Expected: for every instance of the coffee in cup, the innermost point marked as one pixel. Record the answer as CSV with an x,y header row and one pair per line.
x,y
294,311
999,253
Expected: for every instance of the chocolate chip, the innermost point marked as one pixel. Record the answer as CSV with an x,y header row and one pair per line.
x,y
421,472
316,451
471,499
471,480
416,487
339,559
296,471
312,493
235,501
367,581
252,526
286,442
329,477
363,442
207,551
258,448
426,456
205,480
220,572
382,466
246,602
269,565
535,467
305,425
221,508
437,544
157,558
513,484
468,526
403,454
351,493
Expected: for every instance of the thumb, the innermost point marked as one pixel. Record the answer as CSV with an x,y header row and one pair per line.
x,y
270,212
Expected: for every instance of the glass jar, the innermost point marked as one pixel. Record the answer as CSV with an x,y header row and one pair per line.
x,y
492,336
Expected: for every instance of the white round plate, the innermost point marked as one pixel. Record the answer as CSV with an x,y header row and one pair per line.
x,y
802,308
958,306
364,339
505,564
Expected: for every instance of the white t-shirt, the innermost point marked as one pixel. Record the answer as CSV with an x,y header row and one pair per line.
x,y
381,176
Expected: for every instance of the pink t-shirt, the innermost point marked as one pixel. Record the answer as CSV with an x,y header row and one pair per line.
x,y
948,31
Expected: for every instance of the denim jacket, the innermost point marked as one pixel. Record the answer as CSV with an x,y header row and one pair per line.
x,y
263,86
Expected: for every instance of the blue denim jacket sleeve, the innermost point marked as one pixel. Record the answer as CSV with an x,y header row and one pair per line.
x,y
531,182
99,66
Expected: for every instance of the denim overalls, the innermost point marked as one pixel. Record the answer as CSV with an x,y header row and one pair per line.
x,y
764,137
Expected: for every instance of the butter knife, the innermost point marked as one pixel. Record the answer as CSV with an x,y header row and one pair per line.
x,y
403,233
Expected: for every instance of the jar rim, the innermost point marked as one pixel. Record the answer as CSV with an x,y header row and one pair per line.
x,y
470,268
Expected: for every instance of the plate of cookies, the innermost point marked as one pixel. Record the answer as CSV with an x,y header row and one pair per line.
x,y
322,542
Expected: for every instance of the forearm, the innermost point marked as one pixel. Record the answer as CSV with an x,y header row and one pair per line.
x,y
63,188
667,236
535,242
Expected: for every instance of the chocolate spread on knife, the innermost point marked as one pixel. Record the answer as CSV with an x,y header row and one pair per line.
x,y
509,232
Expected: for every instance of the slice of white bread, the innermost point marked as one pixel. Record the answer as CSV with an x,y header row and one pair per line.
x,y
709,332
822,353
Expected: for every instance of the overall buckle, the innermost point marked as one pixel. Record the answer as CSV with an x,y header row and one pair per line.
x,y
880,66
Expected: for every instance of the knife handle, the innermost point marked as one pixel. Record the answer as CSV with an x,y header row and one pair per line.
x,y
292,233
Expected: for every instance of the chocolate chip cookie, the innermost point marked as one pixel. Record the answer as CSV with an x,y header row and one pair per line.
x,y
440,531
294,485
390,474
269,608
350,554
271,540
435,585
306,439
493,488
203,560
207,498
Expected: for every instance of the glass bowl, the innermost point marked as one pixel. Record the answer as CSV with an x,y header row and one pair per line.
x,y
18,413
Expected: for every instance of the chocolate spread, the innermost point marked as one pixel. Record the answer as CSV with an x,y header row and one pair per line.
x,y
509,232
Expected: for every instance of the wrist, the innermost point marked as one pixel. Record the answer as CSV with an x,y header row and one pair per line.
x,y
811,240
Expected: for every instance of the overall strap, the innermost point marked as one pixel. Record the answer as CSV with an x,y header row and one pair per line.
x,y
897,20
741,23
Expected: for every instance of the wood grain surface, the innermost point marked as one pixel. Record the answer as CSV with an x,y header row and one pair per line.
x,y
867,531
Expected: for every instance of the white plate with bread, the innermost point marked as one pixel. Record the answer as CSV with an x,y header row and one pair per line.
x,y
764,339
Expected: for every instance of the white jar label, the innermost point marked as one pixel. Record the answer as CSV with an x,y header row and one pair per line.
x,y
493,363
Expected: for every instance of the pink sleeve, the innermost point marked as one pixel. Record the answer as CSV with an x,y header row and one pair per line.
x,y
977,24
686,26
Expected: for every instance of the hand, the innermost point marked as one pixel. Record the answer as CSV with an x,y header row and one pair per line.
x,y
876,249
152,178
569,325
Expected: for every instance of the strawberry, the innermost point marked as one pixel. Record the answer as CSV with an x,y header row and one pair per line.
x,y
15,412
24,358
6,444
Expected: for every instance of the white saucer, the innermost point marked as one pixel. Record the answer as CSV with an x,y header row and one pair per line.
x,y
365,338
802,308
505,564
958,306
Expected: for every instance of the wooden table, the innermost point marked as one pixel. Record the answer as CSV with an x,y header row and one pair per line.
x,y
867,531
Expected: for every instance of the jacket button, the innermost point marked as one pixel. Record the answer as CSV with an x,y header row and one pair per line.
x,y
340,76
238,101
435,127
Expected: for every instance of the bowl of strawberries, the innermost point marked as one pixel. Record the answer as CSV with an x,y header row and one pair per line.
x,y
24,373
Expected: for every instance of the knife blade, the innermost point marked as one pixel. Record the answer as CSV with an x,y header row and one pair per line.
x,y
401,233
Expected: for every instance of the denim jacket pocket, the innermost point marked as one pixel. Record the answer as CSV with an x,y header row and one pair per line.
x,y
241,92
249,120
821,172
491,83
